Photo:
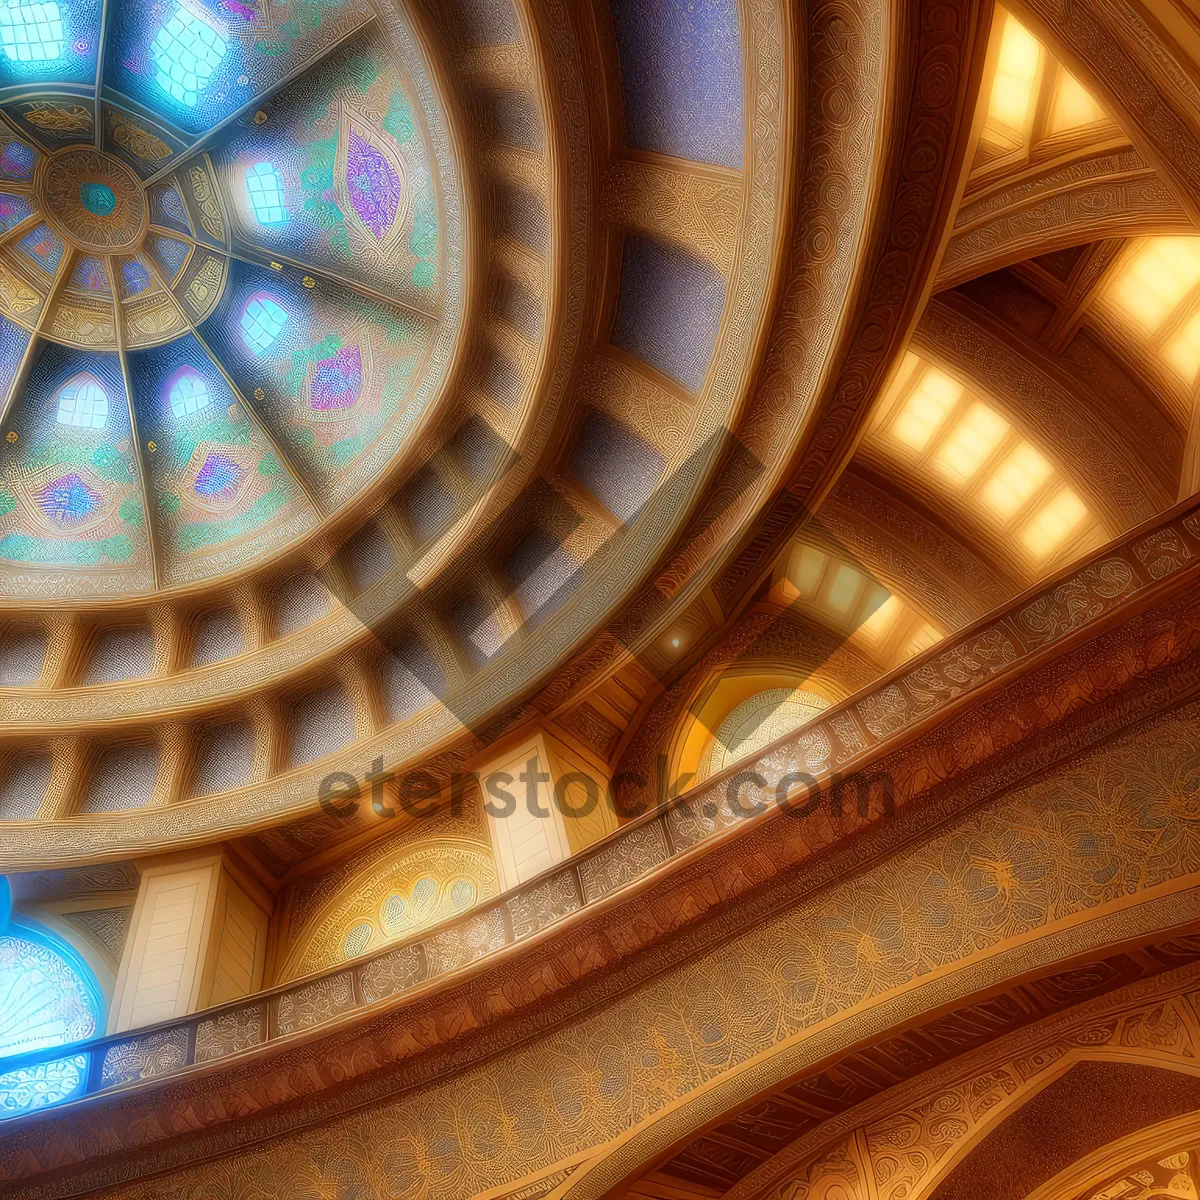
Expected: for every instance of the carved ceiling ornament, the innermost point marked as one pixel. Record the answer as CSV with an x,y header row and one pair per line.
x,y
544,480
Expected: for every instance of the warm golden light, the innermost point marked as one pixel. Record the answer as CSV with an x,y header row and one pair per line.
x,y
844,588
1012,88
971,442
925,410
1154,280
1015,480
1073,106
1183,350
1054,523
884,609
807,569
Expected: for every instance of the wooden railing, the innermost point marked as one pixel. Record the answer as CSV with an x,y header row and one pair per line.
x,y
1073,606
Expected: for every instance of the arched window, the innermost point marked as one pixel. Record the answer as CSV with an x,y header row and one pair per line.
x,y
188,393
48,998
187,51
264,186
31,31
761,720
83,402
263,320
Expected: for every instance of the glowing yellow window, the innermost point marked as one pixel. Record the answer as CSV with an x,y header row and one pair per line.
x,y
1012,89
1053,525
1157,278
970,442
926,408
1073,106
1183,350
1015,480
806,570
882,611
843,589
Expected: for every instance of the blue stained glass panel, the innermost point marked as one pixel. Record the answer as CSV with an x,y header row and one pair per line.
x,y
169,254
44,247
681,71
17,161
262,323
83,402
91,275
188,393
264,186
166,208
135,279
187,50
44,1002
13,210
31,31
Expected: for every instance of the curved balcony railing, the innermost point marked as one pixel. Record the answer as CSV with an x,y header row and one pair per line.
x,y
1074,605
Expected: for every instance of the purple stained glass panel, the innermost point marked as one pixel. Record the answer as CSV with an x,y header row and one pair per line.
x,y
17,161
219,477
373,184
67,500
337,380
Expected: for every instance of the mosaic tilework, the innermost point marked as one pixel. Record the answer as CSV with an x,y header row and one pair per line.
x,y
70,496
42,247
89,274
333,375
669,309
13,210
218,485
166,208
338,174
135,278
167,253
681,69
17,160
198,63
144,144
43,40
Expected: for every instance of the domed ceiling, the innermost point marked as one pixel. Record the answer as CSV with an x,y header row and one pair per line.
x,y
228,282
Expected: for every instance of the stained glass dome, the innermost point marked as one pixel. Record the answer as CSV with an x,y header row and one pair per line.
x,y
45,1001
228,281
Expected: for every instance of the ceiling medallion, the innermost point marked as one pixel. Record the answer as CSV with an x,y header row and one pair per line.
x,y
93,199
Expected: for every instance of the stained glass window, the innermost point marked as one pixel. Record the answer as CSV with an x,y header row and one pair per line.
x,y
262,323
44,1001
82,401
189,393
17,160
187,50
31,32
134,276
264,186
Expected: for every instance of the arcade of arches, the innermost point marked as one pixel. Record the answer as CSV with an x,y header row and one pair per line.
x,y
598,599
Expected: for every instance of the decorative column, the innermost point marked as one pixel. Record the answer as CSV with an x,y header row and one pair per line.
x,y
198,937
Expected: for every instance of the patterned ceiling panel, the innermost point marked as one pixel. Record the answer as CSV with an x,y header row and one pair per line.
x,y
249,250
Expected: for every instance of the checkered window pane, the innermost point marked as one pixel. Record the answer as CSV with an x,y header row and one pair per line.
x,y
83,402
189,394
31,32
264,186
187,50
262,323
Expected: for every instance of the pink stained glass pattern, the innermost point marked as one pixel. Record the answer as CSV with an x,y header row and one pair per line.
x,y
219,478
337,380
373,184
